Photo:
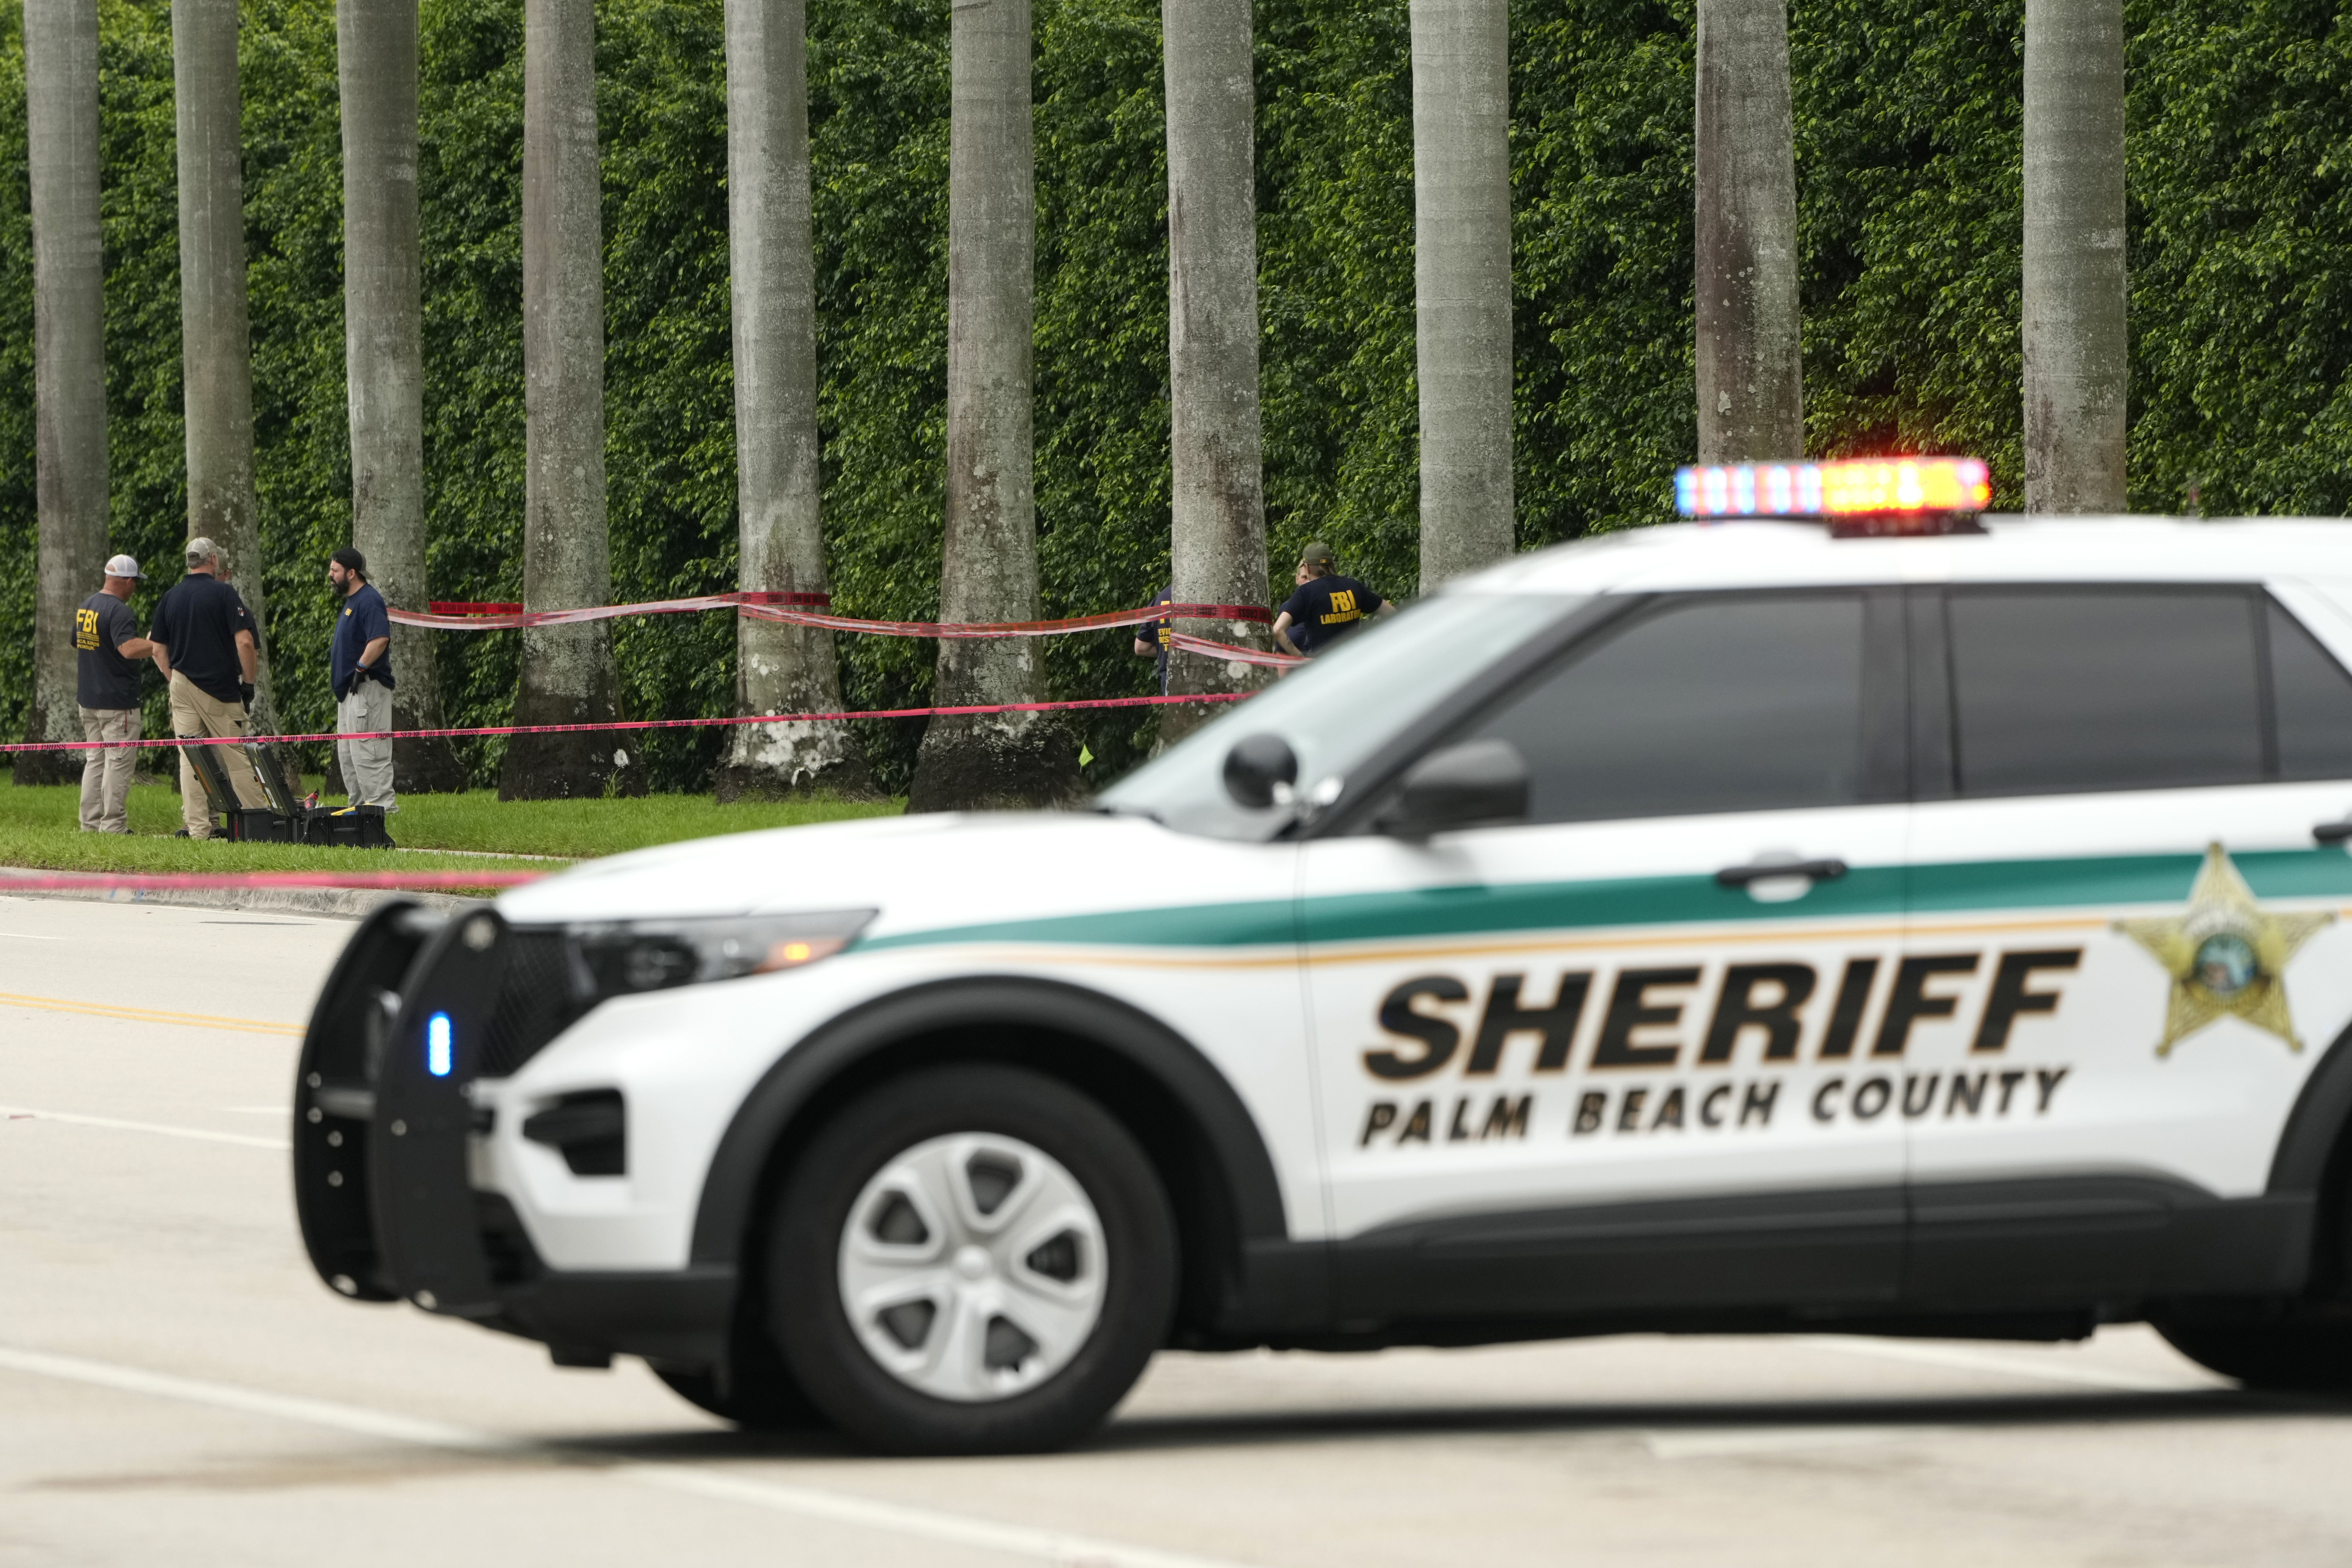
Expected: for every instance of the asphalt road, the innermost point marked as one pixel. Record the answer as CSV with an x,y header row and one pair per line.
x,y
175,1387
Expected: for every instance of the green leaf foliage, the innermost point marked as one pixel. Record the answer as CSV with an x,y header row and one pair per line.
x,y
1908,129
2241,179
19,529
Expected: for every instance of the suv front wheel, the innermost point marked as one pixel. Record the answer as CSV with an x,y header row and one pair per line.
x,y
972,1260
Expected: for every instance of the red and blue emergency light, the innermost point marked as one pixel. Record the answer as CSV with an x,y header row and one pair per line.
x,y
1861,495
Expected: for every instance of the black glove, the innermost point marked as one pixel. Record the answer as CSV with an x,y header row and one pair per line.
x,y
244,694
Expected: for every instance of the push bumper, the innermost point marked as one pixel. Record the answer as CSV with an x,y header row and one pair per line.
x,y
383,1121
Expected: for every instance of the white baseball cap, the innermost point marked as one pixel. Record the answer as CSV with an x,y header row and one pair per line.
x,y
122,566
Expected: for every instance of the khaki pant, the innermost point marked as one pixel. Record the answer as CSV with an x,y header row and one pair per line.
x,y
195,711
106,775
366,764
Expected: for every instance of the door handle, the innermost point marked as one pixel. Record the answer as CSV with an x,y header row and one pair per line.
x,y
2333,832
1772,870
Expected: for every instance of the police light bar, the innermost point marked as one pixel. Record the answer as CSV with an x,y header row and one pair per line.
x,y
1853,494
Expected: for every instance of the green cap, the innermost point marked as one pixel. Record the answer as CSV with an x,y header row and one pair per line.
x,y
1315,555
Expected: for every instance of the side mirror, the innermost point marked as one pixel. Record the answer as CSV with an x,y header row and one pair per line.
x,y
1259,769
1479,780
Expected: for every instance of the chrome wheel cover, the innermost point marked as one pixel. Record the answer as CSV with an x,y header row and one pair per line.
x,y
972,1267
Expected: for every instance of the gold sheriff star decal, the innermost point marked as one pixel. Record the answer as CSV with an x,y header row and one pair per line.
x,y
2226,957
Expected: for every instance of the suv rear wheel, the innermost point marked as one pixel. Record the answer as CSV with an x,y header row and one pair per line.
x,y
2310,1357
972,1260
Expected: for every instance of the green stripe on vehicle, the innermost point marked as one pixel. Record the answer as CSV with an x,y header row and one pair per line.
x,y
1474,910
1251,924
1964,885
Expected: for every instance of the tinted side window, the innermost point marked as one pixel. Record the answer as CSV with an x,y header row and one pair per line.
x,y
2313,698
2106,689
1709,703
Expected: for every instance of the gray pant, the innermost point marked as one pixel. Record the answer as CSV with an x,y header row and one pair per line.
x,y
106,775
366,764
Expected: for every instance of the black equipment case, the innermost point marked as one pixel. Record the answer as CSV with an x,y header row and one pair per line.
x,y
284,820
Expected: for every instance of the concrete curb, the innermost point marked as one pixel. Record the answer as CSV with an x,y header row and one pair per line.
x,y
342,903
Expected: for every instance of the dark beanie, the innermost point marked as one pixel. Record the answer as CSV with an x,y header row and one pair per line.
x,y
351,560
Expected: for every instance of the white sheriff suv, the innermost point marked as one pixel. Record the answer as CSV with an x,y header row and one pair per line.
x,y
1710,927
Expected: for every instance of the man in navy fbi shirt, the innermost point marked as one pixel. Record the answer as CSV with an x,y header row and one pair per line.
x,y
107,651
202,640
1152,636
1326,607
360,661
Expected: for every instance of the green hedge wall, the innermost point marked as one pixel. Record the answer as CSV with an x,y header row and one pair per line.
x,y
1908,145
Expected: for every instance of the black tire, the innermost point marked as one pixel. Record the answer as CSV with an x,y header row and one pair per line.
x,y
2306,1358
806,1237
761,1394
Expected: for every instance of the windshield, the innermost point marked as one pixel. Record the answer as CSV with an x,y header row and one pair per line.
x,y
1338,709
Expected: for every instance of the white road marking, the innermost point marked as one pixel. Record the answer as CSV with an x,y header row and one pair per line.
x,y
901,1518
27,936
117,1124
2048,1369
695,1480
247,1401
1733,1442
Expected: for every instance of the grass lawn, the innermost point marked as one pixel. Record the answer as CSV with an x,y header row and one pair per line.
x,y
39,826
579,829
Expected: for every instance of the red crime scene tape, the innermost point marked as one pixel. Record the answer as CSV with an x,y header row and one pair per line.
x,y
628,724
803,609
800,609
808,610
473,607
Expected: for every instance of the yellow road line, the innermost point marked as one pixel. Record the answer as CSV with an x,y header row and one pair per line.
x,y
151,1015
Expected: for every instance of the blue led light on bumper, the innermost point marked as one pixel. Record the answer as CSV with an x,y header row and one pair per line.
x,y
436,1045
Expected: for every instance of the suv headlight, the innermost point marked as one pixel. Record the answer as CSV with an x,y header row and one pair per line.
x,y
619,958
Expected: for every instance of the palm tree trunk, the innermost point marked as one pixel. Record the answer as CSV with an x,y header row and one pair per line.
x,y
568,675
989,556
1751,389
1217,543
2076,374
69,361
215,346
780,542
375,44
1462,278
